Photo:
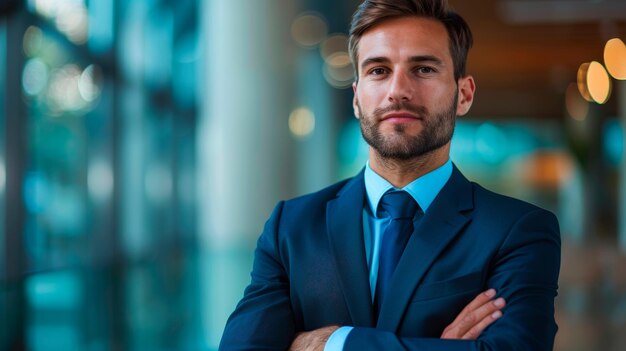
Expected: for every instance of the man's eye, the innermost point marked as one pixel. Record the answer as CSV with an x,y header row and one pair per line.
x,y
377,71
425,70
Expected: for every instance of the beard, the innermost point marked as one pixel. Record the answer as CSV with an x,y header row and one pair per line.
x,y
437,131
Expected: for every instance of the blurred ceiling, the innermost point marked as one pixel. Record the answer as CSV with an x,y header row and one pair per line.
x,y
526,53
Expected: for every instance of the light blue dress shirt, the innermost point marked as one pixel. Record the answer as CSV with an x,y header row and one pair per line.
x,y
423,189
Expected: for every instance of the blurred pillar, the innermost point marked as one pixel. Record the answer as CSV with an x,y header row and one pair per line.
x,y
243,135
245,157
620,92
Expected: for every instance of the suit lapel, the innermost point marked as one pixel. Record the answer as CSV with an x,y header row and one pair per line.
x,y
345,232
441,223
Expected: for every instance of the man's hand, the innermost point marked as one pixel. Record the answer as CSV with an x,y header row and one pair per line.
x,y
314,340
475,317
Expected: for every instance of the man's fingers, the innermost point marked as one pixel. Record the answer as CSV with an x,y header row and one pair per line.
x,y
474,320
475,317
478,314
478,301
476,330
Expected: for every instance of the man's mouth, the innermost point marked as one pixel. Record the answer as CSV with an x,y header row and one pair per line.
x,y
400,117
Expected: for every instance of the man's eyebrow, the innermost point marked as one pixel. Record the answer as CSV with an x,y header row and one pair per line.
x,y
427,58
414,59
370,60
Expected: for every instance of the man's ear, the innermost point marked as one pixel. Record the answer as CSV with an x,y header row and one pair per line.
x,y
355,101
467,87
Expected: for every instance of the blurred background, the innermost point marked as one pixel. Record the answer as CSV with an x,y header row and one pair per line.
x,y
144,143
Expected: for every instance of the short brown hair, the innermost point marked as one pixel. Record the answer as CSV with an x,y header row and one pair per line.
x,y
373,12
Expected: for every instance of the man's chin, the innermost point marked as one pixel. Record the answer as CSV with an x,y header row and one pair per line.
x,y
406,151
406,130
398,152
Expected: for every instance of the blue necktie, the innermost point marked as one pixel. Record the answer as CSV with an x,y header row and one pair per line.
x,y
401,207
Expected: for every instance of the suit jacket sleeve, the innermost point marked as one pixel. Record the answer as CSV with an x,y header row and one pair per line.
x,y
525,272
263,319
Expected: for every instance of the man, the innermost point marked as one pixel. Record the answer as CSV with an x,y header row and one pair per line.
x,y
388,260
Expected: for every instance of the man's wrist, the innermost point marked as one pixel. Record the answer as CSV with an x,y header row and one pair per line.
x,y
337,339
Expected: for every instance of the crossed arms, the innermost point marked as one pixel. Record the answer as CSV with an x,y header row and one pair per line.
x,y
468,325
524,271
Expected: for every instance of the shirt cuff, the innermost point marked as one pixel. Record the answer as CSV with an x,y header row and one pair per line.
x,y
337,339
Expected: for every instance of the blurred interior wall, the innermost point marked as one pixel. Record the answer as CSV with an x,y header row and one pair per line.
x,y
245,151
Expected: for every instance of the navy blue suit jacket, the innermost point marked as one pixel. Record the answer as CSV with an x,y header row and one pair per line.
x,y
310,271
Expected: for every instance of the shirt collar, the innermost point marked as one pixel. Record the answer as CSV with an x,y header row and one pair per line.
x,y
423,189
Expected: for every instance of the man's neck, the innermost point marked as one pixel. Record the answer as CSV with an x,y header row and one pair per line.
x,y
402,172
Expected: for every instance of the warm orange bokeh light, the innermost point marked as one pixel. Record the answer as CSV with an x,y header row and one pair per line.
x,y
581,77
598,82
615,58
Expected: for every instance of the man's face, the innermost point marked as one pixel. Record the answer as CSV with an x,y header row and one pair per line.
x,y
406,96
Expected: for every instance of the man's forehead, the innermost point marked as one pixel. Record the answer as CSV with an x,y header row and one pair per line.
x,y
405,36
407,26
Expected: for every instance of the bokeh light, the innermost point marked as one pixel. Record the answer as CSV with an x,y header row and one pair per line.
x,y
338,59
309,29
34,76
69,16
598,82
301,122
615,58
46,8
100,180
334,43
63,94
88,83
581,77
337,66
576,106
33,40
491,143
338,77
548,168
56,290
73,20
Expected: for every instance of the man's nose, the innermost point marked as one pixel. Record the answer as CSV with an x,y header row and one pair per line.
x,y
400,88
